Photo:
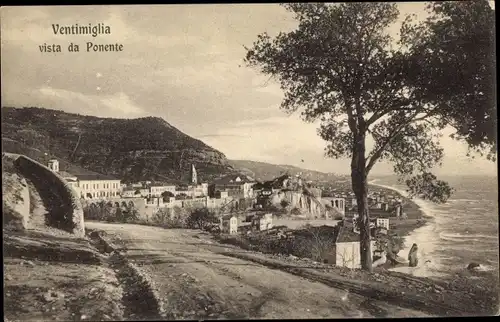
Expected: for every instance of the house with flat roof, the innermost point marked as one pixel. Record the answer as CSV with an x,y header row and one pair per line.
x,y
89,185
229,224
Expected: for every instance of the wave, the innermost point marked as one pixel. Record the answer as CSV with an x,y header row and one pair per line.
x,y
463,200
461,237
485,268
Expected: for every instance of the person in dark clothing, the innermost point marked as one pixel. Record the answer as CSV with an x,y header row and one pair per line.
x,y
412,256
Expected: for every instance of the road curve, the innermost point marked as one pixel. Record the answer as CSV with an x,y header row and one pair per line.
x,y
194,282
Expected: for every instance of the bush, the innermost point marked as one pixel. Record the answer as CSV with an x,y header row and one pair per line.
x,y
166,195
201,218
284,203
166,219
295,211
110,213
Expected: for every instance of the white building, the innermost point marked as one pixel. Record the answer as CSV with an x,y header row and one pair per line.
x,y
229,224
263,222
130,192
200,190
383,222
53,165
98,186
156,189
239,186
89,185
346,253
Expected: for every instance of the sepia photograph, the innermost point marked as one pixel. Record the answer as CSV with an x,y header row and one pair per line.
x,y
249,161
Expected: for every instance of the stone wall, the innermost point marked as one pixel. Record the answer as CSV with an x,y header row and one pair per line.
x,y
139,204
62,203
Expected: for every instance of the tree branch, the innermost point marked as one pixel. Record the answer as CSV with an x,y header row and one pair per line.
x,y
383,112
378,153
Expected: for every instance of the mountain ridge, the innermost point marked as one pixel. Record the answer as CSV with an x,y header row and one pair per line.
x,y
264,171
146,148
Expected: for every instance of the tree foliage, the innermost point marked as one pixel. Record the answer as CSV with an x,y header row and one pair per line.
x,y
340,66
453,52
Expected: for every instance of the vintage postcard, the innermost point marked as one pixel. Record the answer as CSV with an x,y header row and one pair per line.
x,y
249,161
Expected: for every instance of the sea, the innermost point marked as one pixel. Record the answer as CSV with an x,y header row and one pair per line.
x,y
460,231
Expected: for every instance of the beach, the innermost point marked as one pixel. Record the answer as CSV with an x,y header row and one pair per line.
x,y
461,231
421,234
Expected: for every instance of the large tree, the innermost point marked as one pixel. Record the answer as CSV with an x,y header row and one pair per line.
x,y
340,66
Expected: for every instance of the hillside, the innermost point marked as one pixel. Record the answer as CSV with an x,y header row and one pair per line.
x,y
265,171
130,149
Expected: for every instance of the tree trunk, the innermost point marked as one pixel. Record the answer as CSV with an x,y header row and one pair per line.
x,y
360,188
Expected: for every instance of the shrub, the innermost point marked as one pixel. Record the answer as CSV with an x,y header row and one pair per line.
x,y
166,195
295,211
168,219
201,218
284,203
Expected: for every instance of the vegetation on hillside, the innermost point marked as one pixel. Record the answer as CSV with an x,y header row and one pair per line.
x,y
146,148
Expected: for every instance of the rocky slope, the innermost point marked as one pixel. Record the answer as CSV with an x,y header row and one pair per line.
x,y
131,149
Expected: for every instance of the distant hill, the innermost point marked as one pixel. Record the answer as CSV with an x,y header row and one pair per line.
x,y
265,171
146,148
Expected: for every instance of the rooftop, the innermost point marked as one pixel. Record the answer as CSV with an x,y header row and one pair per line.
x,y
234,179
345,234
96,176
65,174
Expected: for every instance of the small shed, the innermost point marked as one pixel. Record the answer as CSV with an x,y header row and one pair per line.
x,y
229,224
346,252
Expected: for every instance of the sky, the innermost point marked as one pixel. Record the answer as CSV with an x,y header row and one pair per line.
x,y
183,63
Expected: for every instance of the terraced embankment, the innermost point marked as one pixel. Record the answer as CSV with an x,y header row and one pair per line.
x,y
52,275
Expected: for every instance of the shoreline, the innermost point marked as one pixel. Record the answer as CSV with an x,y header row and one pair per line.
x,y
417,229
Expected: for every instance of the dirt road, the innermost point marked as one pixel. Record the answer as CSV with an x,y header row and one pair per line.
x,y
193,281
